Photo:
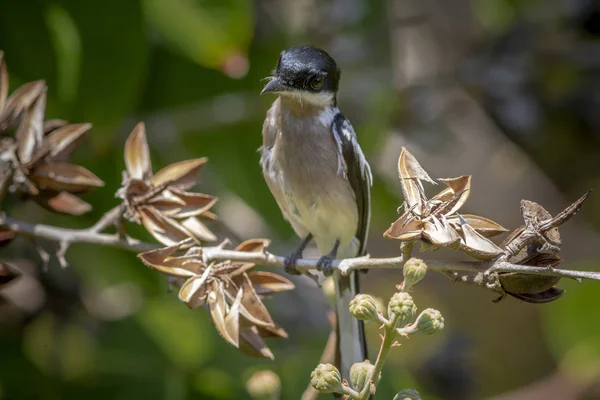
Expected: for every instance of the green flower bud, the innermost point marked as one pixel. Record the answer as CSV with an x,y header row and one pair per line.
x,y
407,394
401,305
430,321
364,307
414,272
326,379
264,385
359,373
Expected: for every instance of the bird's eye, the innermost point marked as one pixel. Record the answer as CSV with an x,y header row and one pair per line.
x,y
317,82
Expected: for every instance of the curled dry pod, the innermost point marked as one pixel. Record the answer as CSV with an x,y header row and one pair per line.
x,y
540,252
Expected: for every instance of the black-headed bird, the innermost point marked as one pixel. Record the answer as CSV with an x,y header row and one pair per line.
x,y
319,176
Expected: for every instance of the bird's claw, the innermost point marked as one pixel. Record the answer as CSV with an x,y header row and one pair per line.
x,y
289,264
325,265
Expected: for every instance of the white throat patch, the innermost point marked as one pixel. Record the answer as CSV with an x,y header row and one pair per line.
x,y
322,99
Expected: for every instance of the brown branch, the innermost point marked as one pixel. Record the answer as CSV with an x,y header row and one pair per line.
x,y
479,273
71,236
111,217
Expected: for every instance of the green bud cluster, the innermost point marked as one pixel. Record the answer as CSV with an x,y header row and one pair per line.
x,y
430,321
360,373
414,272
364,307
326,379
403,307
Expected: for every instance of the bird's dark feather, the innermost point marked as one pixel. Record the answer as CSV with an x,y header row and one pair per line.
x,y
358,174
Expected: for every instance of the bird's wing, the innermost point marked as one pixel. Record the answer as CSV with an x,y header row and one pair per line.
x,y
358,173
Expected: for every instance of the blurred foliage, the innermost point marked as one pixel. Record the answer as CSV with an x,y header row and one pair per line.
x,y
192,70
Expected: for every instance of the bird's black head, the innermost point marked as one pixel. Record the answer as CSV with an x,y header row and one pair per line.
x,y
307,73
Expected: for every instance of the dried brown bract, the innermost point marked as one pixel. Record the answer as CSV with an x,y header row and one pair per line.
x,y
436,222
537,243
161,201
232,291
35,159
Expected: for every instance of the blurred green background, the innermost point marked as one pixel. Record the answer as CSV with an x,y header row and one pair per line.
x,y
506,90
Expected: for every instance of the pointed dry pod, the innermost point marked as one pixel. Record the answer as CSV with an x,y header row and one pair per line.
x,y
198,229
439,232
193,291
61,142
232,319
163,261
218,310
137,154
411,174
253,345
64,177
455,196
19,100
165,202
30,133
253,245
476,245
182,174
405,228
266,283
513,282
484,226
51,125
164,229
533,213
208,216
180,204
252,307
63,203
272,332
565,214
539,298
3,82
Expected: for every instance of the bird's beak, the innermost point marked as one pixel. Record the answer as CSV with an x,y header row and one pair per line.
x,y
274,86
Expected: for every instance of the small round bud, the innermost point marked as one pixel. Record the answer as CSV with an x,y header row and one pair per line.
x,y
407,394
264,385
401,306
326,379
430,321
364,307
414,272
359,373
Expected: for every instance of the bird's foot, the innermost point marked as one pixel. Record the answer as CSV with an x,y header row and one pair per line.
x,y
289,263
325,264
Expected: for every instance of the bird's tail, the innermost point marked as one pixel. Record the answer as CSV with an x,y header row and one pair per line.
x,y
351,345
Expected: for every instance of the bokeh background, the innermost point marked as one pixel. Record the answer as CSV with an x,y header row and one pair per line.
x,y
505,90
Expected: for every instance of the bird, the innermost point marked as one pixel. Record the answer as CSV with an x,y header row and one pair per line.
x,y
317,173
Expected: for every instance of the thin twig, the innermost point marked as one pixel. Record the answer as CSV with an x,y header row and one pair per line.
x,y
72,236
479,272
111,217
